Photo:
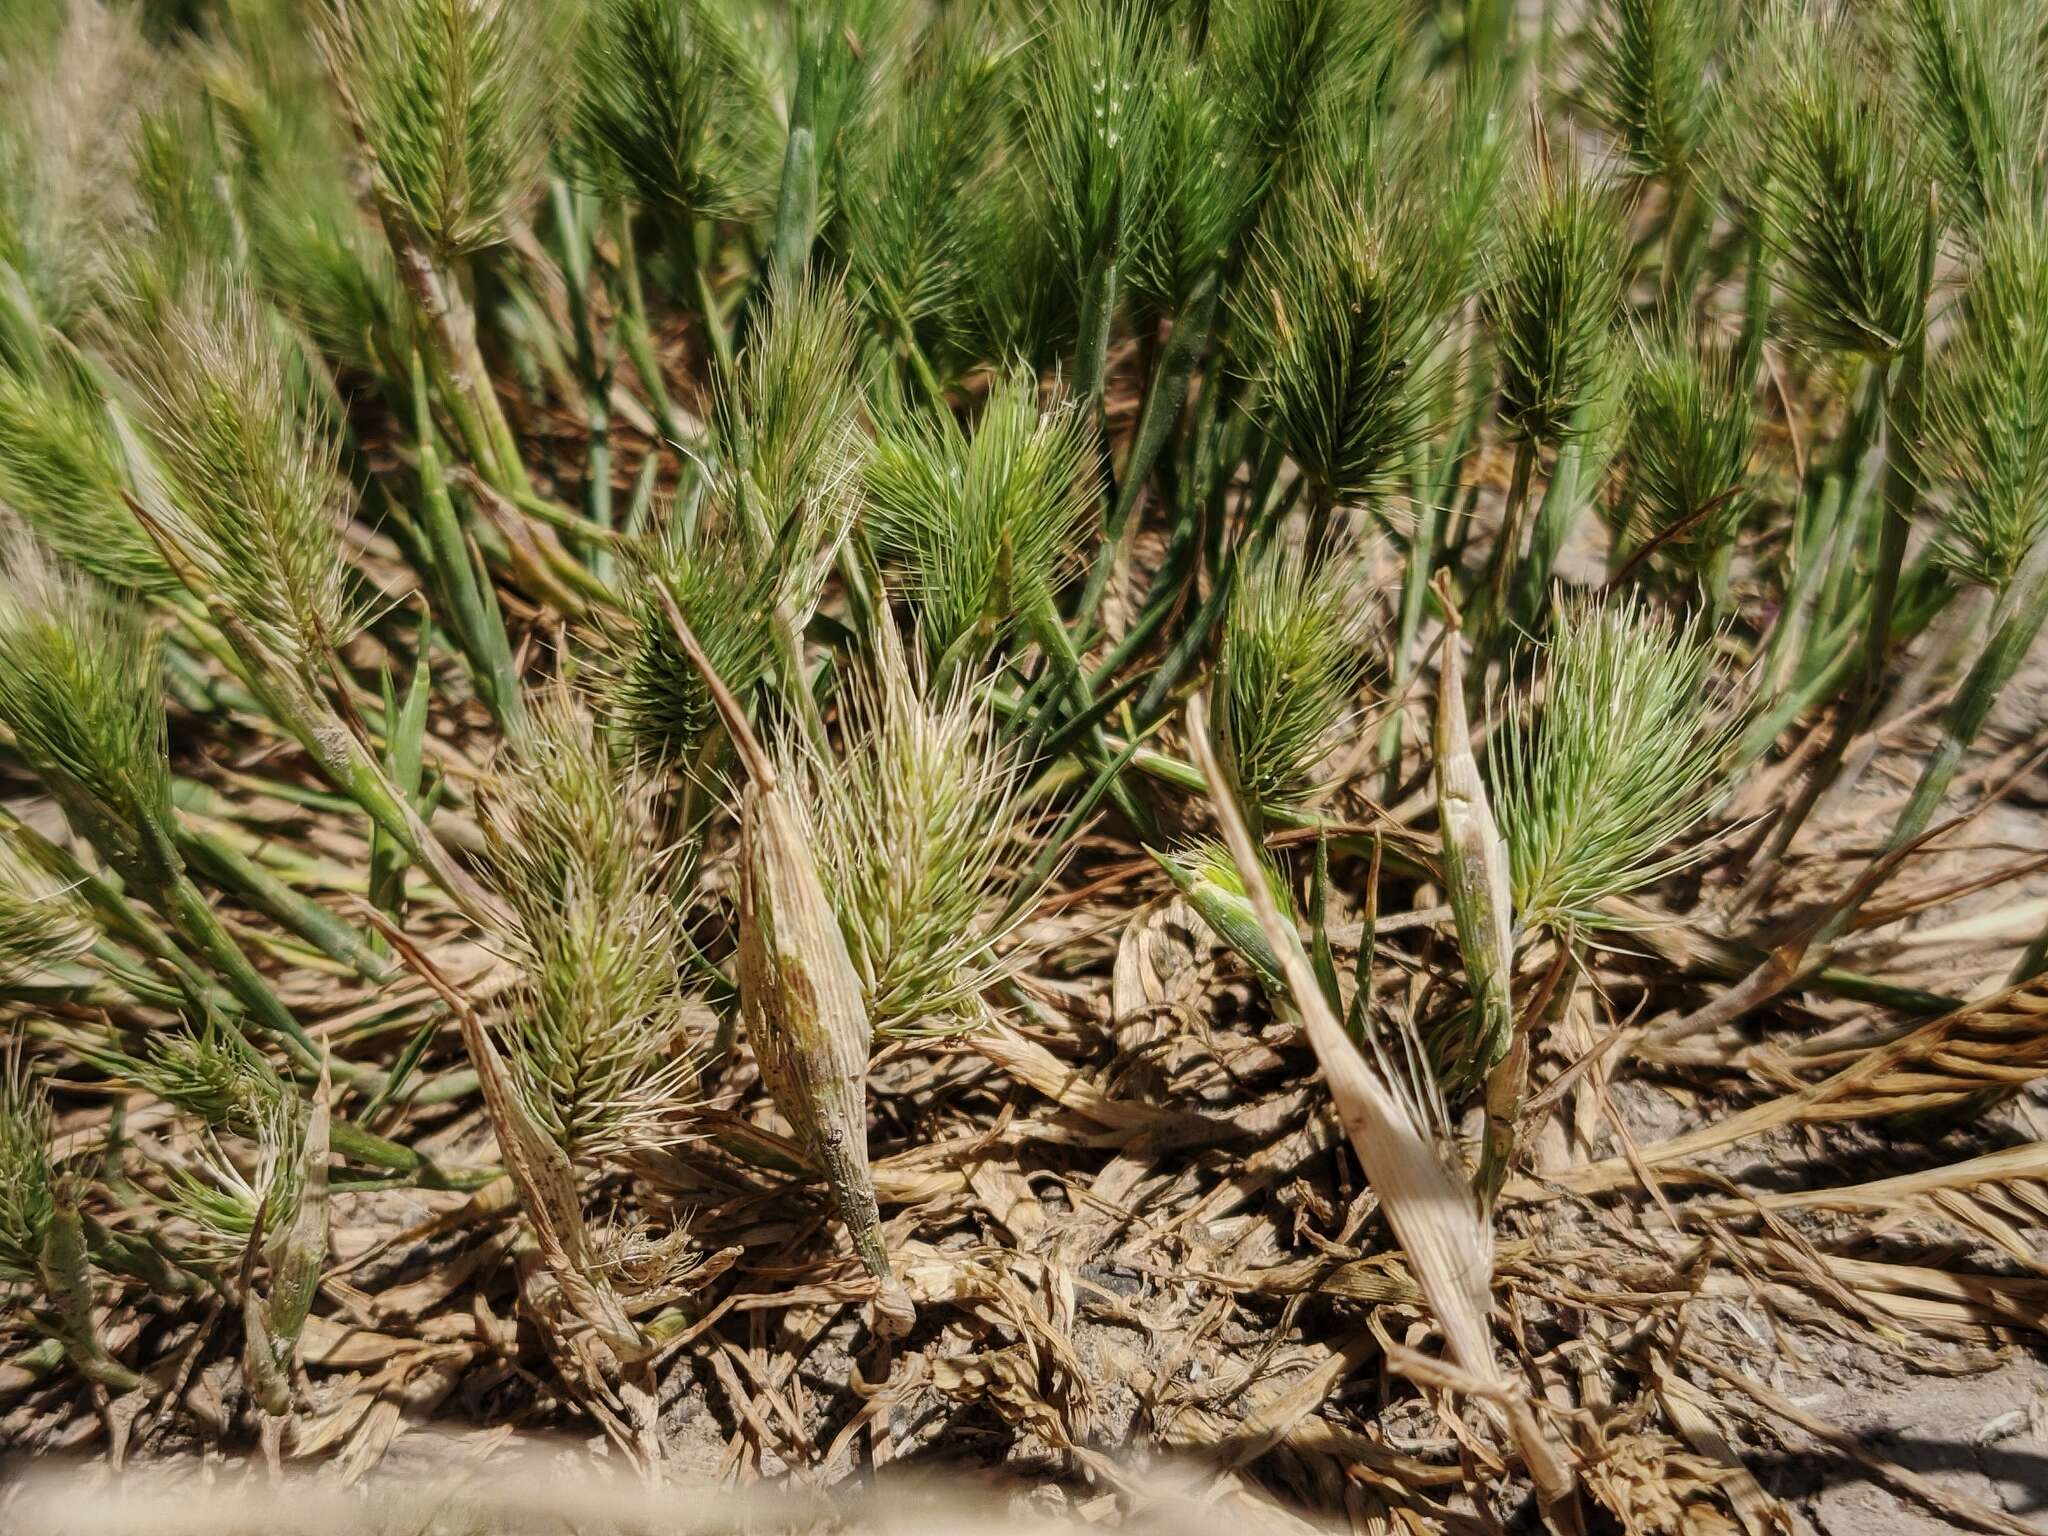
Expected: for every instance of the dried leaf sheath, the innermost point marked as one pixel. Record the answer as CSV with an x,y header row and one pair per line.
x,y
1475,867
801,995
1448,1241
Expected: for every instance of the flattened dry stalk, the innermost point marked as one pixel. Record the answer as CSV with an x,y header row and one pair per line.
x,y
1434,1217
801,994
1475,867
539,1169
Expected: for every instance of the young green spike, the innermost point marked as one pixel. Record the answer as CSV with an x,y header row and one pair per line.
x,y
61,474
1989,429
1652,80
790,427
669,111
1292,658
41,925
251,495
453,100
80,693
1977,72
1337,314
72,103
905,205
1843,204
27,1195
1686,447
1554,301
657,697
1555,298
985,526
1627,754
42,1237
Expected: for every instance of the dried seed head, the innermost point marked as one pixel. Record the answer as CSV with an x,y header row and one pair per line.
x,y
597,1032
1475,860
913,818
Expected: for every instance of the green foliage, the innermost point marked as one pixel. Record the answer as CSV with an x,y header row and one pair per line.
x,y
80,690
984,526
1555,299
1690,432
454,101
1626,754
669,109
1292,659
1842,186
1988,411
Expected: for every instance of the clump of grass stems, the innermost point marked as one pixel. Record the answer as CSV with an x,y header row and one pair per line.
x,y
943,397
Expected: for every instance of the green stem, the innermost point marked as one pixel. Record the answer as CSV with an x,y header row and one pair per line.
x,y
1164,397
294,912
691,263
2017,619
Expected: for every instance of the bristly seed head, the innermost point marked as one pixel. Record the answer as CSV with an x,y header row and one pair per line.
x,y
915,818
599,1032
1627,753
